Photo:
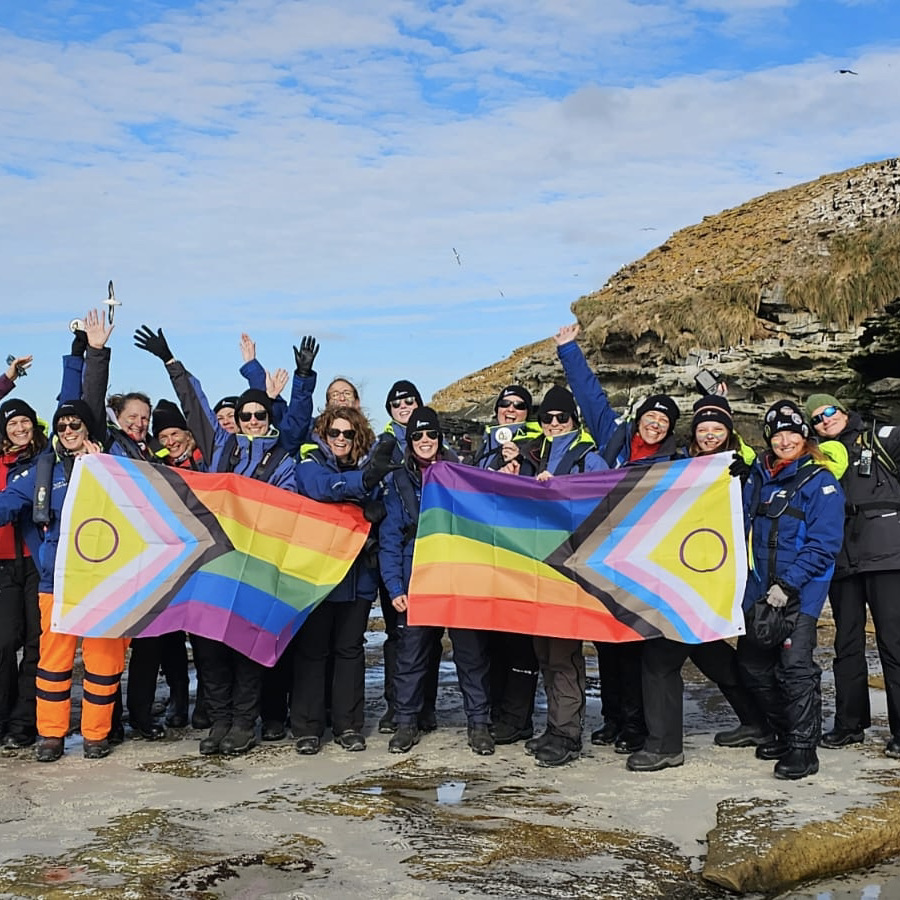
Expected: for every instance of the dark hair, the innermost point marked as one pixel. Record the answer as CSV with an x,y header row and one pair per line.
x,y
118,402
37,443
362,440
335,380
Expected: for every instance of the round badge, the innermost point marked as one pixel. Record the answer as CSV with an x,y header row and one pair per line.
x,y
503,435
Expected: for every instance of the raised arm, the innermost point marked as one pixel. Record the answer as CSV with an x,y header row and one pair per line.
x,y
297,422
96,367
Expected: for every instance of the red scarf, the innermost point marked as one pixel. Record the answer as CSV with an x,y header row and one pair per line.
x,y
640,449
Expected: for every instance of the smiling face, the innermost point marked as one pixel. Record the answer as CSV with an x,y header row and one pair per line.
x,y
511,411
788,445
225,418
177,441
710,436
653,426
554,422
253,419
71,433
829,426
425,444
403,408
339,438
135,419
342,393
20,431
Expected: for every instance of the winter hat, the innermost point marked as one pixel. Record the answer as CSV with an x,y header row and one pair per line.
x,y
558,399
814,401
254,395
784,415
167,415
517,391
401,389
660,403
229,402
712,408
13,408
80,410
424,418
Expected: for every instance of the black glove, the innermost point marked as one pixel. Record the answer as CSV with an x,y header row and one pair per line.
x,y
739,467
380,463
305,356
79,343
145,339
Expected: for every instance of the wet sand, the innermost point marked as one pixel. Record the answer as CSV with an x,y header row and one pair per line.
x,y
156,820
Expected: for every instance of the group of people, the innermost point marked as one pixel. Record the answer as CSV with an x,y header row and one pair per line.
x,y
821,501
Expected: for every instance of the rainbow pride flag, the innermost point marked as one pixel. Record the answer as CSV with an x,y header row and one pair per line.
x,y
146,550
624,555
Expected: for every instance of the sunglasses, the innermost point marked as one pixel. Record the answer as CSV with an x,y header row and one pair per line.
x,y
561,417
69,426
826,413
259,416
404,401
515,404
348,433
418,435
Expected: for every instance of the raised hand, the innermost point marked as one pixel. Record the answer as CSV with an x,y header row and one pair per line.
x,y
276,382
18,366
566,334
155,343
305,355
96,329
248,348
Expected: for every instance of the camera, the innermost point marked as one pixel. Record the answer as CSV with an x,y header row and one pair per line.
x,y
707,380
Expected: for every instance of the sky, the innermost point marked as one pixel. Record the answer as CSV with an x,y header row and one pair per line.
x,y
422,186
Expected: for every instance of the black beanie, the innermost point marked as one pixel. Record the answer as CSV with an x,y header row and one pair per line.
x,y
784,415
517,391
254,395
401,389
229,402
80,410
660,403
712,408
424,418
558,399
167,415
13,408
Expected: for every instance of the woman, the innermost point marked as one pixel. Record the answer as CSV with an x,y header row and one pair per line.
x,y
712,431
104,658
415,651
21,440
337,468
794,508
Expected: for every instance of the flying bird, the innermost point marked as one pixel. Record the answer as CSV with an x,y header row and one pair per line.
x,y
458,260
846,72
501,293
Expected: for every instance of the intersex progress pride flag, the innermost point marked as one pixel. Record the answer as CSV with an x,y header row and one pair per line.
x,y
146,550
624,555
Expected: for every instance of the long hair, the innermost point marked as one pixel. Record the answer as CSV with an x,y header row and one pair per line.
x,y
363,439
37,443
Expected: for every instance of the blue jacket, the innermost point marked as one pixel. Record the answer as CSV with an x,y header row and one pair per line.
x,y
489,455
563,455
296,426
256,378
809,532
319,477
225,452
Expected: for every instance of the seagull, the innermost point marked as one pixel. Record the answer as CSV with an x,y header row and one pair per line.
x,y
501,293
458,260
111,302
845,72
648,228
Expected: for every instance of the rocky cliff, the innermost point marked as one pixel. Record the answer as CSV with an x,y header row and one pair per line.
x,y
795,291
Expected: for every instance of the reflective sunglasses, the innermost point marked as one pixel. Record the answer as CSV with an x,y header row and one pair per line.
x,y
259,416
69,426
826,413
515,404
348,433
403,401
561,417
418,435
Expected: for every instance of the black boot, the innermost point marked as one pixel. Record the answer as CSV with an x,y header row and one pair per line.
x,y
798,762
534,744
773,749
241,737
212,742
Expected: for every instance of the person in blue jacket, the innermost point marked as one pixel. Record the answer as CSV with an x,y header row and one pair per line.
x,y
337,467
794,510
424,448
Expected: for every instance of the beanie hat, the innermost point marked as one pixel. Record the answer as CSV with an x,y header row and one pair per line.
x,y
229,402
424,418
559,399
167,415
515,390
79,410
712,408
401,389
814,401
660,403
784,415
13,408
254,395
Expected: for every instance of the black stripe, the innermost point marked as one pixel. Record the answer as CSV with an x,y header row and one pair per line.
x,y
53,696
98,699
101,679
47,675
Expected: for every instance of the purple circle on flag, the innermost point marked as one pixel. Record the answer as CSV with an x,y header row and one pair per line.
x,y
115,540
682,554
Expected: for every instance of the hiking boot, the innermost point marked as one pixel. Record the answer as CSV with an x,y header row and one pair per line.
x,y
211,744
116,734
404,739
535,743
798,762
273,730
480,740
774,749
49,749
507,733
841,737
96,749
892,748
607,734
427,721
386,724
647,761
630,742
350,740
148,731
557,751
16,741
240,739
744,736
200,719
308,745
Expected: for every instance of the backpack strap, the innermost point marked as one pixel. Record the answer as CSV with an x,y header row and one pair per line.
x,y
40,505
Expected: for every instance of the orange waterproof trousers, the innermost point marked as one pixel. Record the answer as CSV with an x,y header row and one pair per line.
x,y
104,661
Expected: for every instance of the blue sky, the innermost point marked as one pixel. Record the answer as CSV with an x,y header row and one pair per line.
x,y
284,167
